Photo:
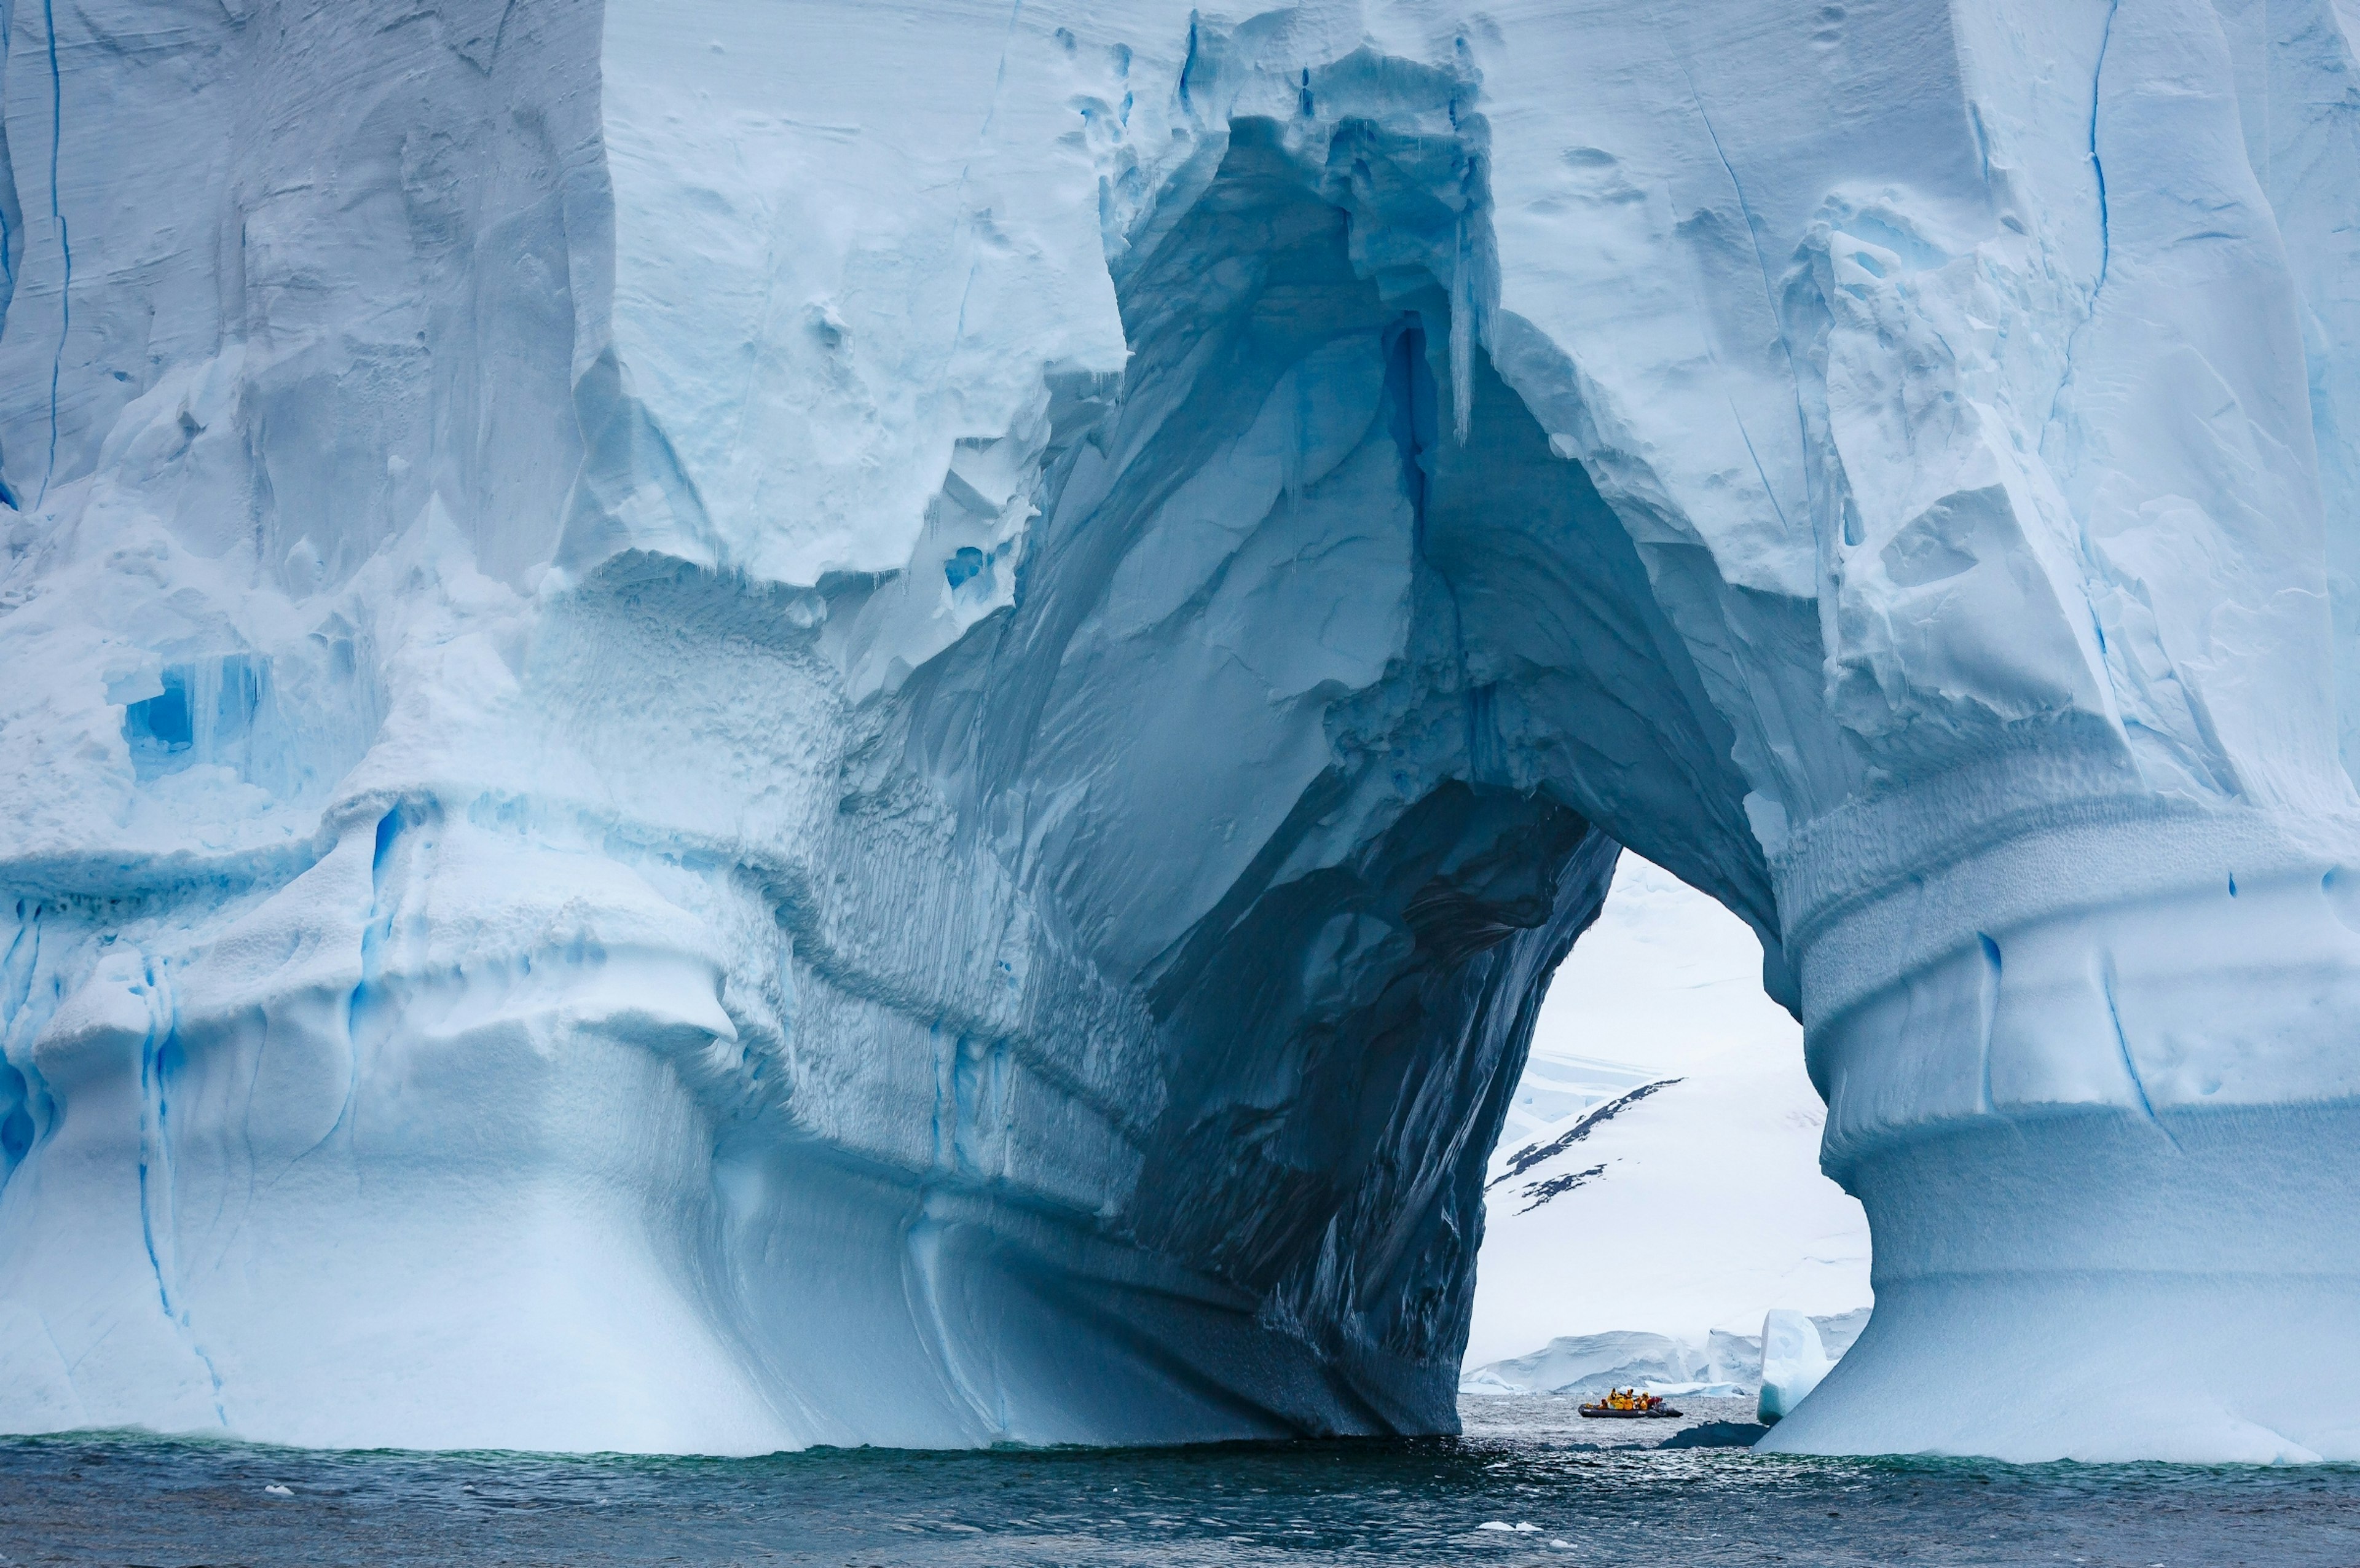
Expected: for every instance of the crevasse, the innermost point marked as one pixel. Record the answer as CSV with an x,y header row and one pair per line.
x,y
738,726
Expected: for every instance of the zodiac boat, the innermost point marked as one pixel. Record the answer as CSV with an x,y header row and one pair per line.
x,y
1629,1404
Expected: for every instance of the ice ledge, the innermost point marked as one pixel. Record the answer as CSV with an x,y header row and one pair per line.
x,y
2046,824
2145,964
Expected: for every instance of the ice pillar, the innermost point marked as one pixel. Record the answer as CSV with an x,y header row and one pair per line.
x,y
2093,1081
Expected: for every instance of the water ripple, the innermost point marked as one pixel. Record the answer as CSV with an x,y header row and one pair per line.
x,y
1502,1497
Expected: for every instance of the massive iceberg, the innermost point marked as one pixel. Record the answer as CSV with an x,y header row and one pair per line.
x,y
738,723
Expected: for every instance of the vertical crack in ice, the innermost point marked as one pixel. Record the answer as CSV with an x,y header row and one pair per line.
x,y
2160,711
1759,472
361,1005
2105,247
151,1134
2097,165
1990,999
1769,292
156,1205
10,234
2123,1046
65,248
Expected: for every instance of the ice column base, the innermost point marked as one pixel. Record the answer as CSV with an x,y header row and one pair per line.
x,y
2100,1286
2096,1086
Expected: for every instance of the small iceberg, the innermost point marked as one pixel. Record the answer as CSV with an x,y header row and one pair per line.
x,y
1794,1360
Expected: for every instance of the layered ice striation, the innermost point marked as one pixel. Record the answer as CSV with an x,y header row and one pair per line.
x,y
738,725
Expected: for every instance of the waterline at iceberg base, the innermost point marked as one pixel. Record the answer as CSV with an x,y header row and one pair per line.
x,y
735,726
2077,1185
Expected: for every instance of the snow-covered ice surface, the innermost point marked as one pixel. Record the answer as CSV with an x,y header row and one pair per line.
x,y
732,725
1590,1363
1693,1209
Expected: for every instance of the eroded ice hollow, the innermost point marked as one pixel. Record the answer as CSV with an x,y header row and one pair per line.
x,y
732,725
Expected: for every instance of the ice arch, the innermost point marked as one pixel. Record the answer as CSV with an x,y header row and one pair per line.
x,y
754,726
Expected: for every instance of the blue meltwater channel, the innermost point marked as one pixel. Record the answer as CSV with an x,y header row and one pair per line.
x,y
1523,1485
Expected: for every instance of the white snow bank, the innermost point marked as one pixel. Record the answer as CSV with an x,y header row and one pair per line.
x,y
1727,1364
1590,1363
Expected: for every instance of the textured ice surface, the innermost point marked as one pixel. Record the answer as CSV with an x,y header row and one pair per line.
x,y
731,725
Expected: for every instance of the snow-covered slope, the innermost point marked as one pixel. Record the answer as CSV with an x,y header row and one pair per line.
x,y
734,724
1723,1363
1696,1208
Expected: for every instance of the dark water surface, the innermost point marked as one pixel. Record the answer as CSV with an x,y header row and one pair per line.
x,y
132,1500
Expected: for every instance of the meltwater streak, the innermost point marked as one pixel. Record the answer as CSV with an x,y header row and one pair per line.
x,y
122,1497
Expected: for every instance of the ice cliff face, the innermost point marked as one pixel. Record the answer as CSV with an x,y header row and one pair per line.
x,y
732,725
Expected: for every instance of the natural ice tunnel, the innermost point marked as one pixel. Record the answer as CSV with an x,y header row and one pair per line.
x,y
735,724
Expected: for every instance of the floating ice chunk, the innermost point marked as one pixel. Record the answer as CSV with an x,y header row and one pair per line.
x,y
1794,1359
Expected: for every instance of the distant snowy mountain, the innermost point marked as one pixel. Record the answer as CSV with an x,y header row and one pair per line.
x,y
1724,1363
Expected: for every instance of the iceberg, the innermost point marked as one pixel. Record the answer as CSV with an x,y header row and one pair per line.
x,y
730,726
1794,1361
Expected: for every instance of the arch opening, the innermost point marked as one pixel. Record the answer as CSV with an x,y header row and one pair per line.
x,y
1320,662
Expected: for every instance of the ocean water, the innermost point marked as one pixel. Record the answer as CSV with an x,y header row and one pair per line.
x,y
1523,1487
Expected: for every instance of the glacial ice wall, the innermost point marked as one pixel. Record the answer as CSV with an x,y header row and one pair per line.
x,y
734,724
